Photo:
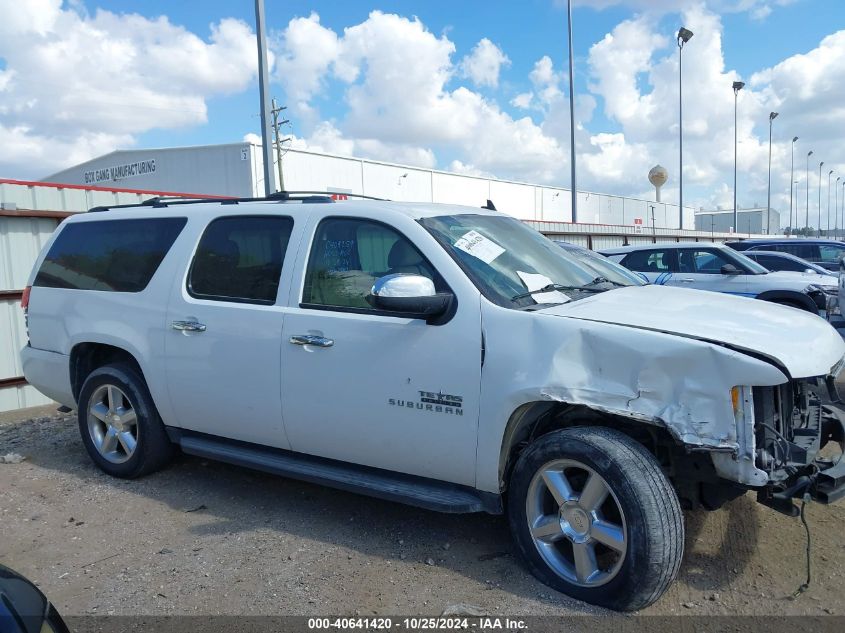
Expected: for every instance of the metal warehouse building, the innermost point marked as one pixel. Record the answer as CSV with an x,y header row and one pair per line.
x,y
749,221
237,170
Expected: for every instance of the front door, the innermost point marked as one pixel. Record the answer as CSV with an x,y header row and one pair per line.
x,y
702,269
372,389
223,344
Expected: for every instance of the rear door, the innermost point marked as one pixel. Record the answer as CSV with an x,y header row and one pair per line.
x,y
224,334
657,264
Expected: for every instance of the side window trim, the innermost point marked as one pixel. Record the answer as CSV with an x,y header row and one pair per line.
x,y
241,300
355,310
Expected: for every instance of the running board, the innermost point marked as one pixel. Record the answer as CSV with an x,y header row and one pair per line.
x,y
430,494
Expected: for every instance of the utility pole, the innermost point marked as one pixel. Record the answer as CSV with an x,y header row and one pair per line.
x,y
263,84
276,111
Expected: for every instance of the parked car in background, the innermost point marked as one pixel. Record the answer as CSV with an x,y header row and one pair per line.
x,y
825,253
603,266
707,266
784,262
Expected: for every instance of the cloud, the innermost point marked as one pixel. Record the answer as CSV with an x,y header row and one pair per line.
x,y
306,51
80,85
483,64
758,9
397,81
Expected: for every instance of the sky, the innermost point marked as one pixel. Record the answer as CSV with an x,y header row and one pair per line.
x,y
469,86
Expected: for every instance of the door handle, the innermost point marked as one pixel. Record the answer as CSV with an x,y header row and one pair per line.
x,y
188,326
688,279
311,339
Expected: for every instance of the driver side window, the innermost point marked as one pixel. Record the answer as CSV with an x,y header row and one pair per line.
x,y
348,256
707,262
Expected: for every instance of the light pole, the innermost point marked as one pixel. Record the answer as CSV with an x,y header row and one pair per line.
x,y
772,117
793,229
843,205
572,117
263,95
821,164
807,210
836,209
684,36
737,86
828,202
791,183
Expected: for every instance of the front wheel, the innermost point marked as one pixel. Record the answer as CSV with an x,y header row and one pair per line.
x,y
595,518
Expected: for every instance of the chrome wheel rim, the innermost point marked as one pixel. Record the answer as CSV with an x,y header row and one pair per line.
x,y
112,424
576,523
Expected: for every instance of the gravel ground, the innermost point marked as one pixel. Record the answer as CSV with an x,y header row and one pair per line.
x,y
207,538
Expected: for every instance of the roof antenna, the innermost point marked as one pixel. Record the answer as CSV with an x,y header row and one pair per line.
x,y
490,206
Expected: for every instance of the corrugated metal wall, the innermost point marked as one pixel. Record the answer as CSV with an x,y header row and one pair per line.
x,y
29,213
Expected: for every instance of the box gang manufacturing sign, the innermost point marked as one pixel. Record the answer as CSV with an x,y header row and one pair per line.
x,y
119,172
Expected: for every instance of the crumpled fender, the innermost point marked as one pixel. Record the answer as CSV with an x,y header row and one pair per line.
x,y
677,383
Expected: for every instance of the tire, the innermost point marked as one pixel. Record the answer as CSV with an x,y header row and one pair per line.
x,y
630,538
119,423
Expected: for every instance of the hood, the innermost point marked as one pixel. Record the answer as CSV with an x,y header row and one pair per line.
x,y
796,278
805,344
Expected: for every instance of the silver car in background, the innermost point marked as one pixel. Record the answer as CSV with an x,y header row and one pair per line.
x,y
719,268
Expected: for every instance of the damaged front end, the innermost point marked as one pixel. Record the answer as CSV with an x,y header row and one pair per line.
x,y
796,436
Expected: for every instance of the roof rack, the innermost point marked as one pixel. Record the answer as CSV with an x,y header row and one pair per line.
x,y
306,197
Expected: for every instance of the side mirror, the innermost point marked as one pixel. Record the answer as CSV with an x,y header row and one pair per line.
x,y
810,270
730,269
411,295
23,608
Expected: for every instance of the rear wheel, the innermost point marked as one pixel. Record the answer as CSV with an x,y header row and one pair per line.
x,y
595,517
119,424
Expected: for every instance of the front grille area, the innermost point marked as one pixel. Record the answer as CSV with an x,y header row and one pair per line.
x,y
787,422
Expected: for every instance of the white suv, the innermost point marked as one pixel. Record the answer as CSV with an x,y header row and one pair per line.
x,y
442,356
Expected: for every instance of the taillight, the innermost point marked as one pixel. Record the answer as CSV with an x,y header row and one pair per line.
x,y
25,297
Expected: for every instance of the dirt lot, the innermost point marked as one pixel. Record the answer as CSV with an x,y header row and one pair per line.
x,y
207,538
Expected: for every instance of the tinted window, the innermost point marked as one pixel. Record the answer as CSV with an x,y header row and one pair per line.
x,y
240,259
804,251
648,261
779,263
111,255
349,255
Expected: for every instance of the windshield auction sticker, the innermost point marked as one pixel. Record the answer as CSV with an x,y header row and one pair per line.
x,y
479,246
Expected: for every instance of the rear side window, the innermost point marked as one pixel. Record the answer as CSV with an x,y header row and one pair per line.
x,y
804,251
240,259
648,261
109,255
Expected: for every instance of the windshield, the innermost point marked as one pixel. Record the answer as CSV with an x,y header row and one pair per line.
x,y
505,259
602,265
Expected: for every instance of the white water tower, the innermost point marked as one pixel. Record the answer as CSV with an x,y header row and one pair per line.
x,y
658,176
